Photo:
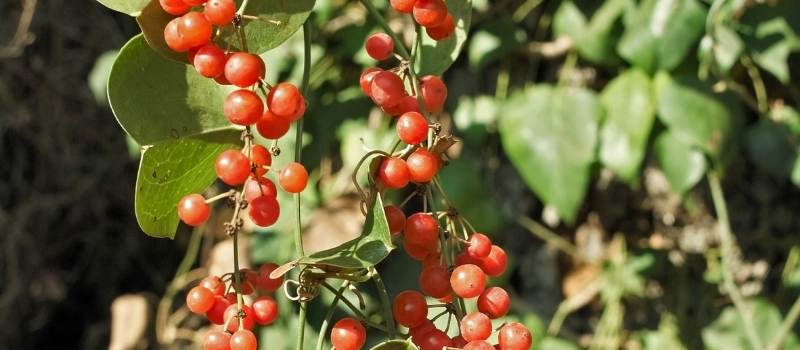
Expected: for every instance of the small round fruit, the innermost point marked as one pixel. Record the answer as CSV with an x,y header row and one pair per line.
x,y
422,165
265,310
495,264
265,282
494,302
264,211
220,12
243,107
293,178
194,2
396,218
199,300
418,252
412,128
434,93
286,101
261,158
232,317
393,173
433,280
366,79
434,340
348,334
174,7
421,229
257,187
403,6
514,336
410,308
429,13
244,69
174,40
386,89
232,167
379,46
193,209
216,314
209,61
442,31
478,345
214,284
476,326
217,340
479,245
459,342
243,340
468,281
195,29
271,126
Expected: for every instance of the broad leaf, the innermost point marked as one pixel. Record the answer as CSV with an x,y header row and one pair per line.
x,y
395,345
550,133
152,22
474,116
683,164
372,246
436,56
728,332
773,148
156,100
493,41
630,112
171,169
699,116
596,38
129,7
771,34
661,33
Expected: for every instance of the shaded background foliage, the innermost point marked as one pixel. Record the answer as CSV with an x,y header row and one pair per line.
x,y
590,124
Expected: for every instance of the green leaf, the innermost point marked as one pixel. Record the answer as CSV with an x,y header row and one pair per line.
x,y
367,250
550,133
597,41
727,331
772,147
661,33
152,21
129,7
473,116
771,34
683,164
569,21
699,116
156,100
463,184
436,56
395,345
171,169
495,39
667,337
630,111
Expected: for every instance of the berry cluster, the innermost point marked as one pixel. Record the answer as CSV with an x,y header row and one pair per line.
x,y
431,14
213,297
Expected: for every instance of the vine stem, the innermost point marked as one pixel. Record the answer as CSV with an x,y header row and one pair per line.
x,y
786,326
727,245
387,305
243,7
360,315
323,329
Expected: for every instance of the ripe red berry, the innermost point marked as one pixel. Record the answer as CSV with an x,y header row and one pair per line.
x,y
422,165
476,326
244,69
403,6
265,310
433,280
412,128
494,302
174,40
193,209
419,252
249,282
478,345
232,317
514,336
217,340
442,31
199,300
379,46
257,187
434,93
421,229
407,104
174,7
479,246
194,2
195,29
468,281
395,217
243,107
495,264
243,340
220,12
459,342
434,340
286,101
209,61
386,89
264,281
293,178
271,126
366,79
393,173
410,308
214,284
232,167
429,13
261,158
264,210
216,314
348,334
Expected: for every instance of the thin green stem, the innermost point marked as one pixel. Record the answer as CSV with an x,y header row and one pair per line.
x,y
323,329
385,303
548,236
360,315
243,7
786,326
758,84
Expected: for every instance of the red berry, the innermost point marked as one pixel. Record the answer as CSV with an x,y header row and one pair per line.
x,y
418,252
220,12
479,246
386,89
442,31
217,340
264,211
265,310
216,314
434,340
209,61
174,40
406,104
514,336
174,7
495,264
261,158
410,308
468,281
264,281
393,173
379,46
286,101
476,326
421,229
422,165
243,340
433,280
194,2
429,13
396,218
257,187
463,258
348,334
193,209
366,79
403,6
459,342
412,128
199,300
494,302
418,332
232,317
214,284
243,107
271,126
293,178
195,29
232,167
249,281
244,69
434,93
478,345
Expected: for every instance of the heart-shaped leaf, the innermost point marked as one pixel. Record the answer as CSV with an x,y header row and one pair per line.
x,y
436,56
395,345
550,136
683,164
772,33
129,7
630,111
596,38
156,100
171,169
